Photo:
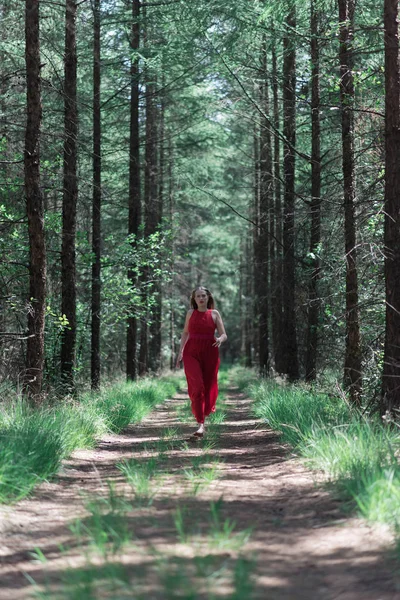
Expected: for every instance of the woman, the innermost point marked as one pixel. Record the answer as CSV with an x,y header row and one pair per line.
x,y
199,351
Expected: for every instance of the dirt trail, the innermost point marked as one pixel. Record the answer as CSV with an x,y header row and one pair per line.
x,y
301,546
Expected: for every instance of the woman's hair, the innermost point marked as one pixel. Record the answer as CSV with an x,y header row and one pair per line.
x,y
210,301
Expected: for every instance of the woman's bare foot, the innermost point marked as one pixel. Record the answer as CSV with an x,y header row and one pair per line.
x,y
200,432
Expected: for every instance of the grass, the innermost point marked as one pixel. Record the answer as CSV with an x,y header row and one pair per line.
x,y
243,377
106,529
358,454
33,442
199,475
222,532
131,402
361,458
141,476
296,411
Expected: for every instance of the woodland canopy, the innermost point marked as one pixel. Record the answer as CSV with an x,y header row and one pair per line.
x,y
150,147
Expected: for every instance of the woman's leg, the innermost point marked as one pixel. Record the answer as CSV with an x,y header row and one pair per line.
x,y
196,391
210,372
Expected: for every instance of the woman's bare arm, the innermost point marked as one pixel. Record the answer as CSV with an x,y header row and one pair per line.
x,y
184,338
221,330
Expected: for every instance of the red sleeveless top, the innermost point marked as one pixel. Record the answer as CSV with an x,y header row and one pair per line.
x,y
201,325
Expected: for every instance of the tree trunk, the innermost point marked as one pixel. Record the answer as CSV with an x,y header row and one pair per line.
x,y
96,211
291,367
148,358
248,312
70,195
34,206
134,186
156,321
391,366
171,206
256,237
266,190
315,237
352,364
276,258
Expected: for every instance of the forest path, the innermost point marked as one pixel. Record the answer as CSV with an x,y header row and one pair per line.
x,y
290,541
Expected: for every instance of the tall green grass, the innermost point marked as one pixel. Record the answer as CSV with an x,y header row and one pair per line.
x,y
130,402
358,454
361,458
296,411
33,442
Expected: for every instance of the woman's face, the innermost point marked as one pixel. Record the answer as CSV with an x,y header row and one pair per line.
x,y
201,298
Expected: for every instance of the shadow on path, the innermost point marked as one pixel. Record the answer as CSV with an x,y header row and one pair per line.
x,y
300,546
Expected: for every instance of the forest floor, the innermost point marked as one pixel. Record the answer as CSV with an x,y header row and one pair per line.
x,y
234,515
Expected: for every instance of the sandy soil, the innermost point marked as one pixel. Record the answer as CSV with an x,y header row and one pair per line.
x,y
302,545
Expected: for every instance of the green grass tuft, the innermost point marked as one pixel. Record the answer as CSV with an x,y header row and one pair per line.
x,y
34,441
131,402
358,455
295,411
141,477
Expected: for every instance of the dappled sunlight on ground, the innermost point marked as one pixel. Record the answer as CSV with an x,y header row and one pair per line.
x,y
270,517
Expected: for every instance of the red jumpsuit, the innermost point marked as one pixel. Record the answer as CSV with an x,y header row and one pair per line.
x,y
201,362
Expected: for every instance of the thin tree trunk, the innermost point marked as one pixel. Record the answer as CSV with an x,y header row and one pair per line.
x,y
171,226
156,321
315,237
240,292
134,186
291,366
34,206
151,211
256,238
391,366
266,191
68,258
352,364
276,271
96,210
248,312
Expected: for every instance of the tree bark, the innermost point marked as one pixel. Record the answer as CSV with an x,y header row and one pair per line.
x,y
248,312
276,256
352,364
134,186
147,358
156,321
390,399
96,207
266,191
256,237
290,358
171,206
34,206
315,208
68,258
